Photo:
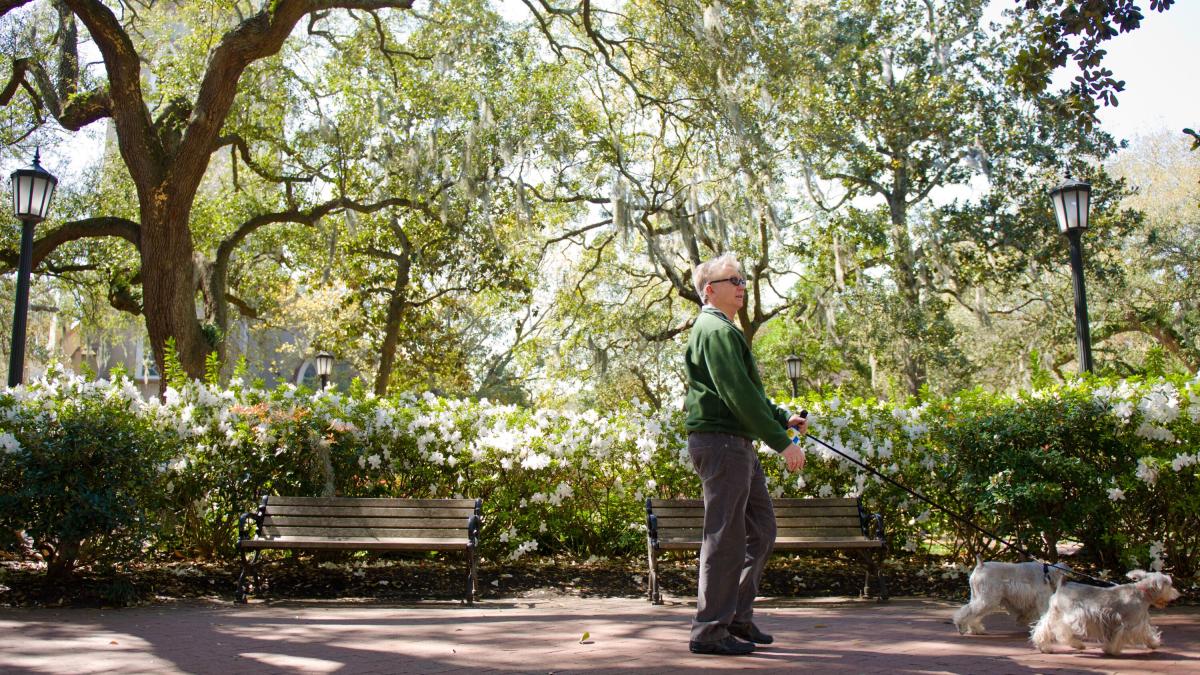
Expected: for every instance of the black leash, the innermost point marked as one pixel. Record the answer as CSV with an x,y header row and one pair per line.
x,y
1046,566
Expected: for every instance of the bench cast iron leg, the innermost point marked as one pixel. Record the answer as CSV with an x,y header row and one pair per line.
x,y
874,565
472,574
652,575
240,593
243,582
883,589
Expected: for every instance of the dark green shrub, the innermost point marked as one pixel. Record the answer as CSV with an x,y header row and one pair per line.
x,y
80,472
1035,469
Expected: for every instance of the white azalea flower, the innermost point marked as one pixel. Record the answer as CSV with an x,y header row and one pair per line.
x,y
9,443
1184,460
1156,556
1146,471
1123,410
1154,433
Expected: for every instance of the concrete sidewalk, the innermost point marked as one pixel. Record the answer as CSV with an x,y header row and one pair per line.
x,y
545,635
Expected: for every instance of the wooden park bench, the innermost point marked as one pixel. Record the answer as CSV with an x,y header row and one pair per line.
x,y
360,524
801,524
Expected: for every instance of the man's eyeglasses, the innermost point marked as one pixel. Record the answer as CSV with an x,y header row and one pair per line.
x,y
736,281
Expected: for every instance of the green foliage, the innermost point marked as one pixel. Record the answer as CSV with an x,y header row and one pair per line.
x,y
1056,32
1033,468
1039,377
80,471
212,368
173,372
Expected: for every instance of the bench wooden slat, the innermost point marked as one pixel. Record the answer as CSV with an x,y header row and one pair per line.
x,y
820,521
697,520
790,543
656,504
370,511
358,544
358,521
277,500
817,512
784,512
696,534
361,532
804,543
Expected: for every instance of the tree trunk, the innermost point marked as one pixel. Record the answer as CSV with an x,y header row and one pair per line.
x,y
60,566
391,328
169,284
904,269
387,350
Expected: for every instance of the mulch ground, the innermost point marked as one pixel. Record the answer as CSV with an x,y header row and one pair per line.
x,y
443,577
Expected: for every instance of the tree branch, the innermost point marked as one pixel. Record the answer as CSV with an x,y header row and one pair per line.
x,y
243,307
79,229
7,6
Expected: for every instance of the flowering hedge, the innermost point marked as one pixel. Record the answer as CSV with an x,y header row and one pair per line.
x,y
1110,464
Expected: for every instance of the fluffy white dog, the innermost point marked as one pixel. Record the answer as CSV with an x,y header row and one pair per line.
x,y
1021,589
1118,616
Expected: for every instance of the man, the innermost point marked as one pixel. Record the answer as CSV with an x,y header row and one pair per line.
x,y
727,410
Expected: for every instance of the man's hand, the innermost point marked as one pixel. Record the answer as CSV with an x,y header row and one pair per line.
x,y
794,456
799,424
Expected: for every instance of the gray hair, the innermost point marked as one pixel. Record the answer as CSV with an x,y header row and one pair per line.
x,y
706,271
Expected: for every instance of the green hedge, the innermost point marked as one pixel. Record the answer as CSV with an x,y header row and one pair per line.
x,y
1109,464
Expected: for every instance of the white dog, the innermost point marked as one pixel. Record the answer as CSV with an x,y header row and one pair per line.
x,y
1021,589
1117,616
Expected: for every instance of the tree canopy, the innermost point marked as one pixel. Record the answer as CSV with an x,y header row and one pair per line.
x,y
508,203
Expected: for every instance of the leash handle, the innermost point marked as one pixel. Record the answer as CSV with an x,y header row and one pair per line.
x,y
794,432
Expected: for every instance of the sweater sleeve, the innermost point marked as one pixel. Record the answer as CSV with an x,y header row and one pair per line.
x,y
729,368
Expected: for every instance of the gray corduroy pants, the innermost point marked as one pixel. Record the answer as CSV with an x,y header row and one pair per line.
x,y
739,531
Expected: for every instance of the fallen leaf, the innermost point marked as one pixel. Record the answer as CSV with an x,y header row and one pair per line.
x,y
586,635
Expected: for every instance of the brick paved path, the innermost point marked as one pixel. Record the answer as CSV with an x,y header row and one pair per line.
x,y
543,635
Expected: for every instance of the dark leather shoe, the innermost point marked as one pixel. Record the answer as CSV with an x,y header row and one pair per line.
x,y
748,631
726,646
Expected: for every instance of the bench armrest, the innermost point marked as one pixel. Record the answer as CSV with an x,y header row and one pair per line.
x,y
475,523
875,522
651,525
257,516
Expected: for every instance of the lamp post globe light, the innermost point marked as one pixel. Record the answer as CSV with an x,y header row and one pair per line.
x,y
793,372
32,190
324,367
1071,202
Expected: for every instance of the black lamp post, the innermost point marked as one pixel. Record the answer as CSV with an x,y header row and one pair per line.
x,y
324,367
1071,202
793,371
32,188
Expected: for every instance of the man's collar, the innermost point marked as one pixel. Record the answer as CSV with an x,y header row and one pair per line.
x,y
711,309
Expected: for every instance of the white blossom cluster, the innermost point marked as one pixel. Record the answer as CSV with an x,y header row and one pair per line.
x,y
1156,556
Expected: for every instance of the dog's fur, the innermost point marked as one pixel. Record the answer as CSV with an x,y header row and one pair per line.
x,y
1021,589
1117,616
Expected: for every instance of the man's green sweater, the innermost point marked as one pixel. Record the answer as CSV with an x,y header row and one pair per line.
x,y
725,393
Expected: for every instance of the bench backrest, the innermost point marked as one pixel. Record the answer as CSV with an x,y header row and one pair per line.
x,y
680,522
364,517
